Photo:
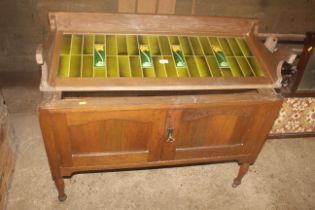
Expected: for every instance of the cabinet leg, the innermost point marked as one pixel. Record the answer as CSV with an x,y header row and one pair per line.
x,y
242,171
60,184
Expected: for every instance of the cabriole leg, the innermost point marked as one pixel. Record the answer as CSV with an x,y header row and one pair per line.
x,y
242,171
60,184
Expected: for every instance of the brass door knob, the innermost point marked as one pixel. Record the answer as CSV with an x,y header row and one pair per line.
x,y
170,135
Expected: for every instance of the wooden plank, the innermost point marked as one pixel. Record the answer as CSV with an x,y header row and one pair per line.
x,y
284,37
86,84
127,6
62,138
166,7
67,171
108,158
153,24
267,60
269,112
146,6
203,152
49,142
149,103
54,61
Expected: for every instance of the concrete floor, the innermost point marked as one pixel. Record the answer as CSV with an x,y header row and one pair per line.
x,y
282,178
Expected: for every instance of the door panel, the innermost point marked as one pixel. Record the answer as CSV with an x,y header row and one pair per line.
x,y
109,137
212,131
216,127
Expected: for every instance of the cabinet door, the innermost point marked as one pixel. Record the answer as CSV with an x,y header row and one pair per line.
x,y
212,131
88,137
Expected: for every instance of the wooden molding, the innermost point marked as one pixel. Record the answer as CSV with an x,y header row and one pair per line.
x,y
291,135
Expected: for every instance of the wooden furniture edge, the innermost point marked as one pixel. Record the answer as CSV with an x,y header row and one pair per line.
x,y
158,101
162,83
267,125
290,135
53,67
268,61
68,171
137,23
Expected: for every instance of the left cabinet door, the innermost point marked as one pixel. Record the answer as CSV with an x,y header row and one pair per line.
x,y
102,136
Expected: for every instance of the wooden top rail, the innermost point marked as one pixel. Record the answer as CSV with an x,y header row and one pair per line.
x,y
153,24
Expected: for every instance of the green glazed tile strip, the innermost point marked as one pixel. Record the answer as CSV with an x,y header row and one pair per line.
x,y
235,69
202,66
111,45
87,66
184,42
132,45
76,45
135,66
234,46
75,66
170,67
88,44
214,67
244,66
243,46
253,63
159,67
192,66
124,66
112,66
66,44
225,46
205,46
64,65
195,45
122,45
165,48
154,45
148,72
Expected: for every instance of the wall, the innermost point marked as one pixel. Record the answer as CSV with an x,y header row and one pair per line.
x,y
23,23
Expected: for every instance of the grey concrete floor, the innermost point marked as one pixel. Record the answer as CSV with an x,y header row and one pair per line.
x,y
281,179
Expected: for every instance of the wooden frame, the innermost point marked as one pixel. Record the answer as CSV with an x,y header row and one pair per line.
x,y
125,23
291,135
58,118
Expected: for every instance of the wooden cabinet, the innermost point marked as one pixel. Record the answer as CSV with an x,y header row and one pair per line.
x,y
136,132
118,95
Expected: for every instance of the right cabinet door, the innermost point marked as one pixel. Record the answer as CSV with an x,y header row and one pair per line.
x,y
216,131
